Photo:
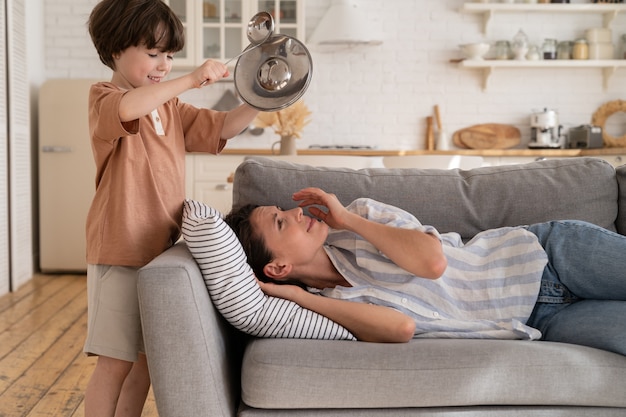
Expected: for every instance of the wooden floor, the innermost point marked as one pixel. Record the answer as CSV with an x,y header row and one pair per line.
x,y
43,371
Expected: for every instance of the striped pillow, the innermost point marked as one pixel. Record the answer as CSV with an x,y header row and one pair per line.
x,y
233,287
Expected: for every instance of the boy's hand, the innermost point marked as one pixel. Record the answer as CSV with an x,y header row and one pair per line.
x,y
210,72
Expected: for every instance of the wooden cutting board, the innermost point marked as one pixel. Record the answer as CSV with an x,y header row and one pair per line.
x,y
487,136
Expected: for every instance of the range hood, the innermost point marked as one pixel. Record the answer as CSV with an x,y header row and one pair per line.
x,y
345,24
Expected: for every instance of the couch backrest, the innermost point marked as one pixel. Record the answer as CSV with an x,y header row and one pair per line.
x,y
466,202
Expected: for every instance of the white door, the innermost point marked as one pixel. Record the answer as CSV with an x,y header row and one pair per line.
x,y
66,174
19,146
4,177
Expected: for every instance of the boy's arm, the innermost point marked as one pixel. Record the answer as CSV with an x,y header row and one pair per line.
x,y
237,120
140,101
367,322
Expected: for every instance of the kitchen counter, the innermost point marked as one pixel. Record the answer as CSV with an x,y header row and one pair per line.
x,y
479,152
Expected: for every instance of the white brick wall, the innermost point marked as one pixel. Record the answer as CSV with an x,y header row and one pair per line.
x,y
379,96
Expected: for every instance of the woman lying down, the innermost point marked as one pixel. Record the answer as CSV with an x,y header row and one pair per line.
x,y
388,278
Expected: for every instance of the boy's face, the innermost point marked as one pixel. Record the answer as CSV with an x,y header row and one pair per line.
x,y
290,236
137,66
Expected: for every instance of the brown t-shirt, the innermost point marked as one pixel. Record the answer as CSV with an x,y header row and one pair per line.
x,y
140,175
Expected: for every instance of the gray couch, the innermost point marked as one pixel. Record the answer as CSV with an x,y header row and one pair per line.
x,y
200,366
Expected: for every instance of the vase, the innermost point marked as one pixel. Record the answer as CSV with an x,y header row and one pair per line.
x,y
287,145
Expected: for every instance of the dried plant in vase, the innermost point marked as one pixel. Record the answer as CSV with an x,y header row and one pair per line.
x,y
287,123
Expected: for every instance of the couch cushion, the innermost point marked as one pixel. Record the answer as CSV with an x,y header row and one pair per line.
x,y
466,202
425,373
233,287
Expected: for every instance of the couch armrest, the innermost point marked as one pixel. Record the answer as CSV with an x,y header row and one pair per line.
x,y
193,354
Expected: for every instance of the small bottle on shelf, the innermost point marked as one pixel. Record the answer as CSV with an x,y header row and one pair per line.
x,y
549,49
580,49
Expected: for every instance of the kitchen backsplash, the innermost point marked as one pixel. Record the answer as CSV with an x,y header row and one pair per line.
x,y
379,96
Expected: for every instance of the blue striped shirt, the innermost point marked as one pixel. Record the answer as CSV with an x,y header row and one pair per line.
x,y
488,290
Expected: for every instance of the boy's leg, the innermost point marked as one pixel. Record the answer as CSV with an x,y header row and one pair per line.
x,y
114,334
104,387
135,390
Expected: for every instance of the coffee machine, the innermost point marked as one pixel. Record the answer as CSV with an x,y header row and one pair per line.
x,y
545,131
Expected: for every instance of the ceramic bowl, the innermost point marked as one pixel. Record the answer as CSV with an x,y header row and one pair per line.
x,y
475,50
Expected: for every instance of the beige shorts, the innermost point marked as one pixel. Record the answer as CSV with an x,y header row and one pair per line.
x,y
114,325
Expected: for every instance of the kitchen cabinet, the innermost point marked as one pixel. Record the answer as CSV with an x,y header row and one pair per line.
x,y
288,15
609,11
615,160
209,179
216,29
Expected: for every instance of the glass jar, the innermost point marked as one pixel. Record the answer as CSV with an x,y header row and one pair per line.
x,y
502,50
519,46
533,53
564,50
549,49
580,50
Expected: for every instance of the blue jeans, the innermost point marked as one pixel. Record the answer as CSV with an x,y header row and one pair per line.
x,y
582,299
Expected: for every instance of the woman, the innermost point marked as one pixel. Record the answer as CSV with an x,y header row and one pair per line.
x,y
560,281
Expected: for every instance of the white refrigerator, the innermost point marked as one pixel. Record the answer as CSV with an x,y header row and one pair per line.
x,y
66,174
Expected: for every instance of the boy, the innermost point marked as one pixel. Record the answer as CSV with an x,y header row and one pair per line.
x,y
140,132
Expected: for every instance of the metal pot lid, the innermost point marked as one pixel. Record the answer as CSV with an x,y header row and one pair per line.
x,y
274,75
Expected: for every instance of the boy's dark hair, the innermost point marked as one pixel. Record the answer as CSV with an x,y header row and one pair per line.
x,y
253,244
115,25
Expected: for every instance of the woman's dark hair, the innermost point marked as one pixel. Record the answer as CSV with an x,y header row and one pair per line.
x,y
253,244
115,25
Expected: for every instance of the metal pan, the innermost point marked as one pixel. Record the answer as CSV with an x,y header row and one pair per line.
x,y
275,74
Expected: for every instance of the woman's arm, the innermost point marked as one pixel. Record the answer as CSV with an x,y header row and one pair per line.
x,y
367,322
414,251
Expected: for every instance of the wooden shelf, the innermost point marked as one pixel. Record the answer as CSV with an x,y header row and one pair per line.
x,y
490,10
488,66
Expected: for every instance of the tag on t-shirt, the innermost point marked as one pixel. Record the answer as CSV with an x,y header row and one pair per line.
x,y
156,121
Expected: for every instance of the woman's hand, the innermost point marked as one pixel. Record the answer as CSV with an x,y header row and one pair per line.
x,y
285,291
336,215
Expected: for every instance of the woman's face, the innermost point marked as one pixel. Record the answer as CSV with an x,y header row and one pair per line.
x,y
290,236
